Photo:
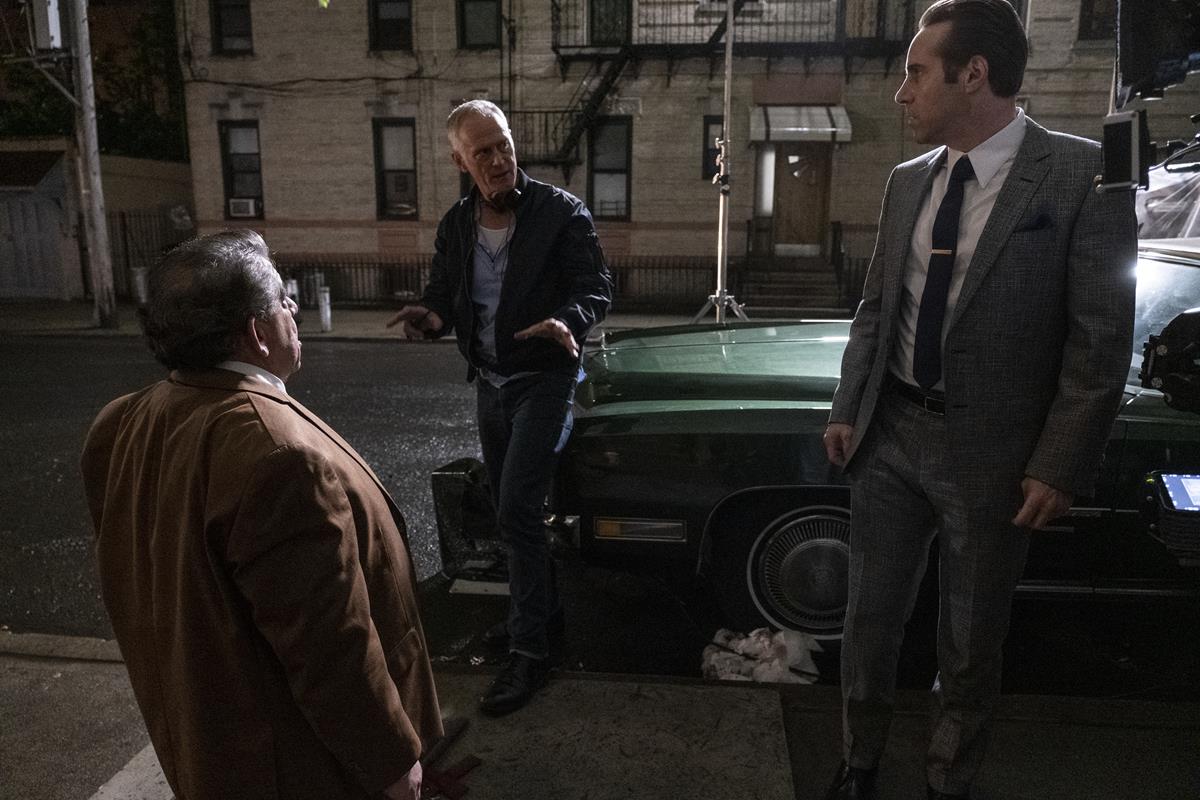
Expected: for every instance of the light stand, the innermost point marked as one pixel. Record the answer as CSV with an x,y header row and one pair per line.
x,y
721,299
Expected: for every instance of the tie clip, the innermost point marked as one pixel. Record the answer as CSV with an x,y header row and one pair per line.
x,y
941,253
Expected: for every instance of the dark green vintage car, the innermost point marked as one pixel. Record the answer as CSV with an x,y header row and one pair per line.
x,y
698,448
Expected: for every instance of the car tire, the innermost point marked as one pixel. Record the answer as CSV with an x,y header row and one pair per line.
x,y
787,572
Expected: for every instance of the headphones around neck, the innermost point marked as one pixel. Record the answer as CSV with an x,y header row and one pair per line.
x,y
505,201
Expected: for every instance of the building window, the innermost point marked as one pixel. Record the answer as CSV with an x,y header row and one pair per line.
x,y
608,167
395,168
478,24
231,27
391,24
242,165
1097,20
708,149
608,22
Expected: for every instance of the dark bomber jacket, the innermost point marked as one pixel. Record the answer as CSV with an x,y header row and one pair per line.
x,y
555,269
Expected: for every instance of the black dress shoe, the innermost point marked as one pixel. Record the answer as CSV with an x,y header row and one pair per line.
x,y
496,637
934,794
852,783
517,682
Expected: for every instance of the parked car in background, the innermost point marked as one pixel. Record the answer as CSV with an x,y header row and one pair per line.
x,y
698,449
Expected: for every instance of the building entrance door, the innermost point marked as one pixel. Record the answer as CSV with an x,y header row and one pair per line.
x,y
801,202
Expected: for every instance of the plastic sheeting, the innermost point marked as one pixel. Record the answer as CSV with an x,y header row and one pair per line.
x,y
1170,208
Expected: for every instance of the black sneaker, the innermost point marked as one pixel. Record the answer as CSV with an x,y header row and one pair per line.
x,y
514,686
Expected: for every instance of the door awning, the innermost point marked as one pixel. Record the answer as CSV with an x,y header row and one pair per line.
x,y
799,124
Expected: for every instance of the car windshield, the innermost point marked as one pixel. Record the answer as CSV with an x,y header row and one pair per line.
x,y
1164,289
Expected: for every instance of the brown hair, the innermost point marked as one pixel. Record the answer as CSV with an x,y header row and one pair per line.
x,y
987,28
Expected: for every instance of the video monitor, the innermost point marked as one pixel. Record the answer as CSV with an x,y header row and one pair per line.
x,y
1183,490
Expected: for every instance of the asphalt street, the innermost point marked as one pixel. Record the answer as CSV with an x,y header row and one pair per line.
x,y
405,407
1077,671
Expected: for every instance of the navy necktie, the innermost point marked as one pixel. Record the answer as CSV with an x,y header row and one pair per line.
x,y
927,349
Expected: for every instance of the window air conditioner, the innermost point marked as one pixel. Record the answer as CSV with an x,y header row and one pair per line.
x,y
243,207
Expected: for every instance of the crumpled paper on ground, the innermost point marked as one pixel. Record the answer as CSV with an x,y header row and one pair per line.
x,y
782,657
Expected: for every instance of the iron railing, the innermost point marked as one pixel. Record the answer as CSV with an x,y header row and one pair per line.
x,y
357,281
137,240
853,27
541,136
660,283
665,283
856,243
553,136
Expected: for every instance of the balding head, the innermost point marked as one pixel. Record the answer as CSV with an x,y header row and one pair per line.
x,y
202,293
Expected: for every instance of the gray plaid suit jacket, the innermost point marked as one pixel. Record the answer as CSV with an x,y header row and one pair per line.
x,y
1039,343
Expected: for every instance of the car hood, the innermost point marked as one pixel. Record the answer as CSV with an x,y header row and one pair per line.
x,y
1148,405
716,366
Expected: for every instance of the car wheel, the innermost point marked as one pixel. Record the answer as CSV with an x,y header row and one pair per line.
x,y
789,573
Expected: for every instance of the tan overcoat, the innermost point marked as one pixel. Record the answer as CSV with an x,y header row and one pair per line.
x,y
259,583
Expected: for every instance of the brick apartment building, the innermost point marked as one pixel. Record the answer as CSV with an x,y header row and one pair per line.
x,y
324,128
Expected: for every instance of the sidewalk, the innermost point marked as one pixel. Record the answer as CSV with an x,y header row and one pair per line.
x,y
75,317
72,730
56,317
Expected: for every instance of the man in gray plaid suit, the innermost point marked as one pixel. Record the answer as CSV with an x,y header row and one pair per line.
x,y
979,385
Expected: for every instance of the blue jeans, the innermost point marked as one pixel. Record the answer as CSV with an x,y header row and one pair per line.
x,y
523,426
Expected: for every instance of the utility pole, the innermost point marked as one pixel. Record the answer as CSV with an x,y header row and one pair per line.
x,y
91,192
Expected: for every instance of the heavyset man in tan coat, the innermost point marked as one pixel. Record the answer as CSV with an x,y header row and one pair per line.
x,y
255,570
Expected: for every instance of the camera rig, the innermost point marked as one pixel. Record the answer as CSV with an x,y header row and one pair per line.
x,y
1171,507
1171,362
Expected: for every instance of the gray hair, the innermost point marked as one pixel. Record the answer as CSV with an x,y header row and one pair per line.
x,y
478,108
202,293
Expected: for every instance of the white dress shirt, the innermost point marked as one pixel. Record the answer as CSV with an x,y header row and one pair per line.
x,y
991,161
252,371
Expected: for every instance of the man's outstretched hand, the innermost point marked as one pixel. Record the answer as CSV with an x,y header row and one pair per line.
x,y
417,321
552,329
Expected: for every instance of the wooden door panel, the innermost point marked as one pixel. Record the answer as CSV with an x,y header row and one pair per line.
x,y
801,193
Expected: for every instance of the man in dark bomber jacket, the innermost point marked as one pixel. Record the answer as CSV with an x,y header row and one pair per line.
x,y
519,276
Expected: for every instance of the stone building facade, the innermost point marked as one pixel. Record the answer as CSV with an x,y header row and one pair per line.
x,y
324,128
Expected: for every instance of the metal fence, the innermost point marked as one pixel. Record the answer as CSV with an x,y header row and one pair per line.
x,y
358,281
659,283
857,243
138,239
663,283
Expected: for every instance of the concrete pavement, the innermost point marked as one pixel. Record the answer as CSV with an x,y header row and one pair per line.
x,y
71,731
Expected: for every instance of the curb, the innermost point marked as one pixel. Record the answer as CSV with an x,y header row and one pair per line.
x,y
70,648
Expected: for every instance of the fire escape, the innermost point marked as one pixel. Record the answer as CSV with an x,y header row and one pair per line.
x,y
612,36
